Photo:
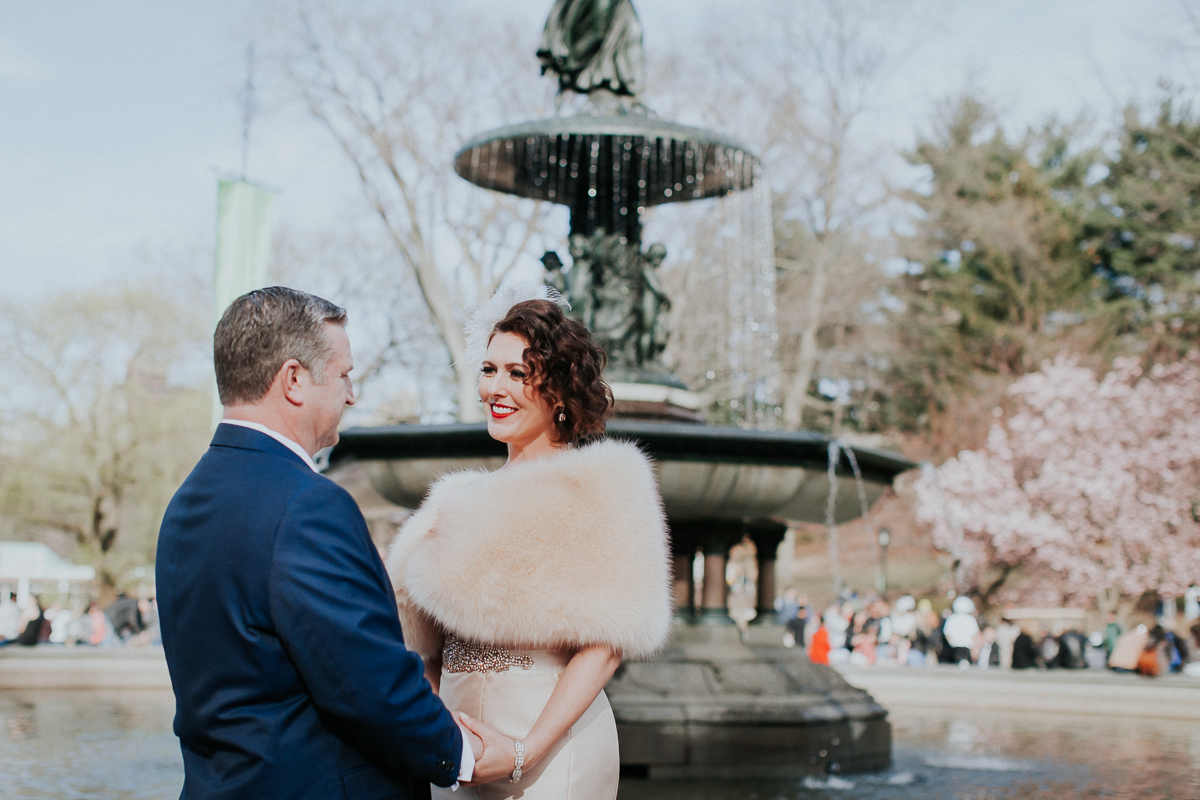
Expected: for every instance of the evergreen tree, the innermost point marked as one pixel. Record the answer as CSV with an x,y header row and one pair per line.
x,y
1141,228
994,270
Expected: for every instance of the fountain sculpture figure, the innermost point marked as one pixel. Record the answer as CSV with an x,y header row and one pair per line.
x,y
712,704
615,291
594,45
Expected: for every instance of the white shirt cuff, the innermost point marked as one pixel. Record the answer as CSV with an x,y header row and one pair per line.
x,y
467,766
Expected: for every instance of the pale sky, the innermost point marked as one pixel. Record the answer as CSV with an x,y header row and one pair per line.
x,y
116,118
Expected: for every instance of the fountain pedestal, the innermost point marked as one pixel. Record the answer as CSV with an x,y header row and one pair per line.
x,y
766,535
711,706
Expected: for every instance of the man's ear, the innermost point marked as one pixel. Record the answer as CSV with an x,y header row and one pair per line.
x,y
292,378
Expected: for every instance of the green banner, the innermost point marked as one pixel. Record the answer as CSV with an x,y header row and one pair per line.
x,y
243,240
243,246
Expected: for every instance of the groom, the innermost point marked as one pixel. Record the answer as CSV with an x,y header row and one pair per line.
x,y
279,623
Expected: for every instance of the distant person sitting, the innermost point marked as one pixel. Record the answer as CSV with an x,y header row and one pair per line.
x,y
864,638
789,611
787,606
818,651
904,628
1149,663
37,630
1128,650
99,628
1112,632
1191,666
1072,650
1176,651
837,624
797,624
125,616
1024,654
1049,649
10,618
60,623
925,641
1006,636
836,621
989,651
960,631
150,634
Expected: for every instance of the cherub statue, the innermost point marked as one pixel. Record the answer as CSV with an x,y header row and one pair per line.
x,y
653,337
592,45
615,291
576,283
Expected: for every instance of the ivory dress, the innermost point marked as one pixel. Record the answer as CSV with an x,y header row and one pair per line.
x,y
500,577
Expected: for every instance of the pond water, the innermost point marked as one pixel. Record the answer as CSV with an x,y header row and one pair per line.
x,y
119,746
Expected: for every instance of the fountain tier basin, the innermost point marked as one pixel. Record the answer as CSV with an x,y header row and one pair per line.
x,y
705,473
553,159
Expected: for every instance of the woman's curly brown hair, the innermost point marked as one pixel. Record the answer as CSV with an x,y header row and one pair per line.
x,y
566,366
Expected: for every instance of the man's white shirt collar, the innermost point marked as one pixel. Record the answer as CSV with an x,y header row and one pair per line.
x,y
279,437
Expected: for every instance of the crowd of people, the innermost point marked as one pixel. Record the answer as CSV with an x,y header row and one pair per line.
x,y
128,620
855,630
868,630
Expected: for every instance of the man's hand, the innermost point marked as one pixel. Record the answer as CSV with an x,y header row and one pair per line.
x,y
498,757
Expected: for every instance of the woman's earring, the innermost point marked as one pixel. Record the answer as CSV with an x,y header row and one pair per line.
x,y
562,415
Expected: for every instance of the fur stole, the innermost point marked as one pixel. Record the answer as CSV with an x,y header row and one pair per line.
x,y
562,552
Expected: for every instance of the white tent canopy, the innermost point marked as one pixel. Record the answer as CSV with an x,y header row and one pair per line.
x,y
32,566
34,561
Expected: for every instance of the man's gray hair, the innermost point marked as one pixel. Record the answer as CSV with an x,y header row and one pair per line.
x,y
263,329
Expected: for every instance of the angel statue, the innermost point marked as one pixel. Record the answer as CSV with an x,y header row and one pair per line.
x,y
594,44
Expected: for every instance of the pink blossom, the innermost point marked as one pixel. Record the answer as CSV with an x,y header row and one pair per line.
x,y
1091,489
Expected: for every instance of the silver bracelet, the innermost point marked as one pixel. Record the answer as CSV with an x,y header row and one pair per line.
x,y
520,762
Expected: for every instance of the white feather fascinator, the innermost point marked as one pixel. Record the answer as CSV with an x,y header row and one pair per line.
x,y
485,318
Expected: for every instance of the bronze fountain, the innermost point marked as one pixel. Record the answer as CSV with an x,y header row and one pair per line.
x,y
717,702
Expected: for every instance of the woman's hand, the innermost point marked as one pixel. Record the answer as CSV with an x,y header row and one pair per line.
x,y
499,754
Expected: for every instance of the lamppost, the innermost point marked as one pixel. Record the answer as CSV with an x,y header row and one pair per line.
x,y
885,537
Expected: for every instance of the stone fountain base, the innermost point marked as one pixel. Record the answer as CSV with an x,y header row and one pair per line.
x,y
713,706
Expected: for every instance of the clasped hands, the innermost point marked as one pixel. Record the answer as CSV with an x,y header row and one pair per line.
x,y
495,753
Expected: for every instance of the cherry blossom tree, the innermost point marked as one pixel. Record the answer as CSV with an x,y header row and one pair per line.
x,y
1090,491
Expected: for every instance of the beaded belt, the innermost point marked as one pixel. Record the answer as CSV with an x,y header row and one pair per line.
x,y
463,656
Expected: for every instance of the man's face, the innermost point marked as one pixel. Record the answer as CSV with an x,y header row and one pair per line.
x,y
329,399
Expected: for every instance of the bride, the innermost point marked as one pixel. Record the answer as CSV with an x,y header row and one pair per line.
x,y
523,588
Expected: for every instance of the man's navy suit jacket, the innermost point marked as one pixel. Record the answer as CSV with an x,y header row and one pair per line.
x,y
280,628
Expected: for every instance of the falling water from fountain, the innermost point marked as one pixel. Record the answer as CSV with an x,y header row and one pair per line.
x,y
721,277
835,450
859,486
835,565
